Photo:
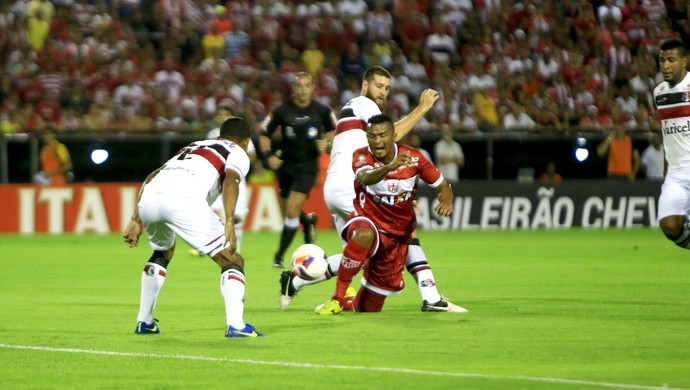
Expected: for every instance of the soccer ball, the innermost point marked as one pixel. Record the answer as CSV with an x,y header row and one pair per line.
x,y
309,261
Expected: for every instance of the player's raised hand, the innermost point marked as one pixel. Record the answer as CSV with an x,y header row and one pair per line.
x,y
401,160
427,98
131,233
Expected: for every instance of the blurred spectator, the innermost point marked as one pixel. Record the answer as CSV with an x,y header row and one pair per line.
x,y
441,45
56,163
449,156
485,111
609,12
517,119
11,122
623,159
465,122
415,140
213,42
45,8
655,11
550,175
169,80
313,58
234,41
38,29
626,101
353,63
95,120
652,160
379,22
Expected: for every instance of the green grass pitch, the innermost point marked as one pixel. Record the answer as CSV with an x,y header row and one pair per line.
x,y
557,309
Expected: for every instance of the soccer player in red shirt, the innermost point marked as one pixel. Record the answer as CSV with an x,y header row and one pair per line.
x,y
378,232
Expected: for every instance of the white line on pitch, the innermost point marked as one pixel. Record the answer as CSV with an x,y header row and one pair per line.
x,y
342,367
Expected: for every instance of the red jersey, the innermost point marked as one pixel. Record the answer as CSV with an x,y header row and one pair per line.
x,y
389,203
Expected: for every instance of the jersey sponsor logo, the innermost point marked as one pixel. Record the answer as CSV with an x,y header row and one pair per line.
x,y
392,200
672,98
670,127
290,132
349,263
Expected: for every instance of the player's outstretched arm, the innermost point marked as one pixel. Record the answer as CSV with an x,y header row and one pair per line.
x,y
373,176
426,100
445,199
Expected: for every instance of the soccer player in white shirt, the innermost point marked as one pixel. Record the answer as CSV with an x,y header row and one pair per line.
x,y
339,192
672,100
175,200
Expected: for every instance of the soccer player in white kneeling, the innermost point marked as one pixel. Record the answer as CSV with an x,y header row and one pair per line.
x,y
175,200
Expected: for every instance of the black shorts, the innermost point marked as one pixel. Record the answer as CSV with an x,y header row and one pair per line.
x,y
298,177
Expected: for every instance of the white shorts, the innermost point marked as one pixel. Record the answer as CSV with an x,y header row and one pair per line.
x,y
675,195
339,201
166,213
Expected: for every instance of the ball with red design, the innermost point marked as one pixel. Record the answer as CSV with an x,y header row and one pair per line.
x,y
309,261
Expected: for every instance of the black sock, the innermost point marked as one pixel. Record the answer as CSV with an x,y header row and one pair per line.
x,y
286,237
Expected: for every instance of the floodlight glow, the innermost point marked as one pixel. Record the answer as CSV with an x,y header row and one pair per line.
x,y
98,156
581,154
581,142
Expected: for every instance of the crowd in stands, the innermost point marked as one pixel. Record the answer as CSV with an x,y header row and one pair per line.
x,y
165,65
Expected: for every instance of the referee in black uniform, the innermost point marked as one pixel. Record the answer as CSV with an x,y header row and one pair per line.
x,y
306,128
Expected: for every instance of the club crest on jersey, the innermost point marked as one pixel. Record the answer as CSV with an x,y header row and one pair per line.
x,y
290,132
393,186
312,132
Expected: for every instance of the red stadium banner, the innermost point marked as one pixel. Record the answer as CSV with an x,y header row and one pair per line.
x,y
106,208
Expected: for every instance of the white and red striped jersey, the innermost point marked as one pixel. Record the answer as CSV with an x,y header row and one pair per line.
x,y
350,135
673,111
389,203
201,166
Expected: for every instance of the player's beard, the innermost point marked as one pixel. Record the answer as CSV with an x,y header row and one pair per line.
x,y
381,104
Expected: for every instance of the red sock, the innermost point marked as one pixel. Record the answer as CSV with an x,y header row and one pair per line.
x,y
353,259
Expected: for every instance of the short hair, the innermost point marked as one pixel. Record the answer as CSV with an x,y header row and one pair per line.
x,y
674,44
378,119
234,129
376,71
302,75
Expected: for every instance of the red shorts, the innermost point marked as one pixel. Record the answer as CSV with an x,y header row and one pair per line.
x,y
385,268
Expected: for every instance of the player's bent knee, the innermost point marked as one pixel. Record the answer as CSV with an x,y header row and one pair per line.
x,y
364,236
368,301
226,260
162,258
672,226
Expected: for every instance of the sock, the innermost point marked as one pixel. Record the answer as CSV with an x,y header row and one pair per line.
x,y
232,288
352,261
152,280
333,265
416,264
286,236
683,240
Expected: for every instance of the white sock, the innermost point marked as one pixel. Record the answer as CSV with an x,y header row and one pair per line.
x,y
232,288
333,265
152,280
416,264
